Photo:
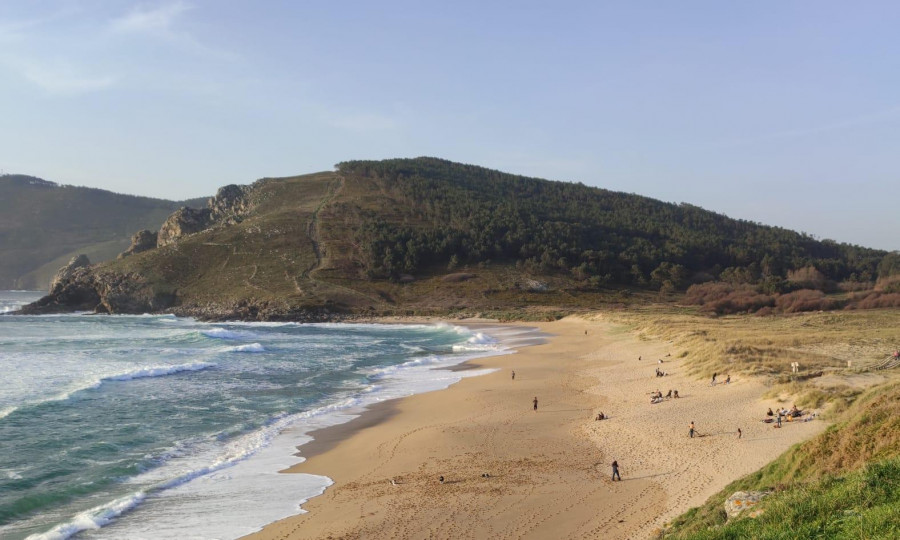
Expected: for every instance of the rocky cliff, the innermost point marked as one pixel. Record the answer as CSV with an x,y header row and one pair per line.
x,y
84,289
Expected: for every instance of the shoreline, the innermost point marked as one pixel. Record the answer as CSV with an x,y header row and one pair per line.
x,y
547,470
325,438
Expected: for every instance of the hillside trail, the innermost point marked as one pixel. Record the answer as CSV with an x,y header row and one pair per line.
x,y
312,234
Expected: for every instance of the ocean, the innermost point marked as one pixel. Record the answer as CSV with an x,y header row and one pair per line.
x,y
160,427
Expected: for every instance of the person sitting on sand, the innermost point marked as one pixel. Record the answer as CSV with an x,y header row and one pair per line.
x,y
601,416
675,394
728,379
669,395
769,412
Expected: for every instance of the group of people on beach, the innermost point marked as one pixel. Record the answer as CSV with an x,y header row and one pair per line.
x,y
658,397
727,379
790,414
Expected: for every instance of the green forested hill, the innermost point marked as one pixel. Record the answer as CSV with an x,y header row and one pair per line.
x,y
426,235
43,224
473,214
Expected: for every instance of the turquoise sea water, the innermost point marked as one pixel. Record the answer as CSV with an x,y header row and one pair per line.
x,y
162,427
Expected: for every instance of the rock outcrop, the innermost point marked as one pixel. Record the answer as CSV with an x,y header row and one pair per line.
x,y
83,289
183,222
66,272
141,241
742,500
228,206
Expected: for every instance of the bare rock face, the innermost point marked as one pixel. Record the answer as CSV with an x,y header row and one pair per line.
x,y
141,241
230,204
226,208
183,222
87,289
66,272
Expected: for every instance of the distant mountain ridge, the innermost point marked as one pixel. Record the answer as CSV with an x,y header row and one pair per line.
x,y
43,224
427,235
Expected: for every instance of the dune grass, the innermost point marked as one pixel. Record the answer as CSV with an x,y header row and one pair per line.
x,y
822,343
858,505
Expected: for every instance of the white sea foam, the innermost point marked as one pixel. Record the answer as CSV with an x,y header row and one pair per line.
x,y
94,518
224,333
249,348
480,342
158,371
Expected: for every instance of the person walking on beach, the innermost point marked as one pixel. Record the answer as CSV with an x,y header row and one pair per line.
x,y
692,429
535,402
713,383
740,433
615,474
514,375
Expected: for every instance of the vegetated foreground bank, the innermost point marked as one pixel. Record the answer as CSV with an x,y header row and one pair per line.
x,y
427,236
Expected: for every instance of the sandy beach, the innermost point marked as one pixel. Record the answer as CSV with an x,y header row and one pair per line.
x,y
548,471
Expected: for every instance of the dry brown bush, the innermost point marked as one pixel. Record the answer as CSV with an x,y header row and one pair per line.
x,y
876,300
855,286
726,298
703,293
808,277
806,300
890,284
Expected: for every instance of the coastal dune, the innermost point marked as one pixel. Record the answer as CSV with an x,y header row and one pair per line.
x,y
512,472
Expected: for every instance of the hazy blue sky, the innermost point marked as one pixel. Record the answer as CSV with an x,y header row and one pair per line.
x,y
787,113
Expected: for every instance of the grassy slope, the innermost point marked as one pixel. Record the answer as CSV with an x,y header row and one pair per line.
x,y
42,224
223,265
